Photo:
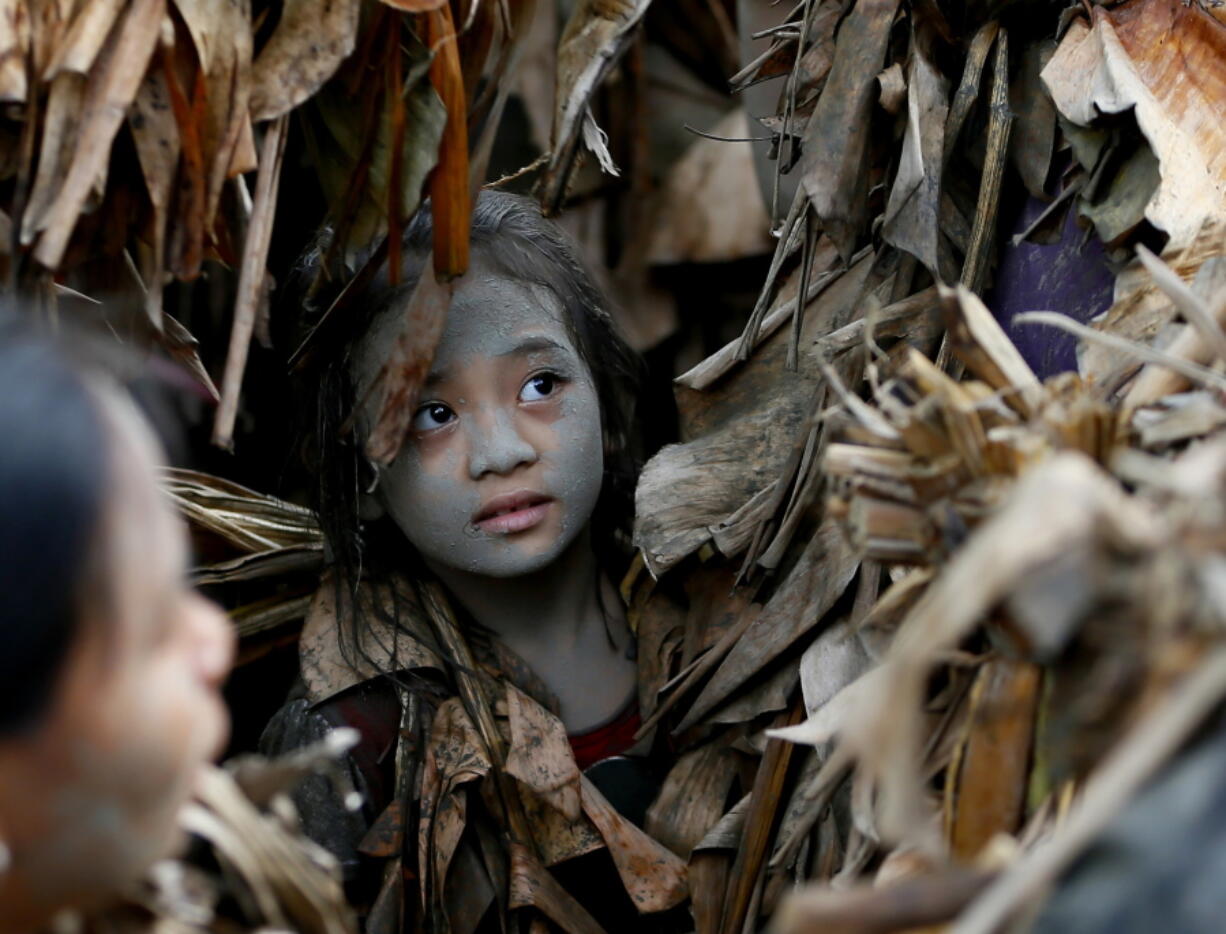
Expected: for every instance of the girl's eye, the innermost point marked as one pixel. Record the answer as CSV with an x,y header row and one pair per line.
x,y
432,415
541,386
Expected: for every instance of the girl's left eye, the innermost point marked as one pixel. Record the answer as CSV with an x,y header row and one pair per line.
x,y
541,386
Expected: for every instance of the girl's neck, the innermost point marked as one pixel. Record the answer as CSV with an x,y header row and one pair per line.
x,y
550,607
558,621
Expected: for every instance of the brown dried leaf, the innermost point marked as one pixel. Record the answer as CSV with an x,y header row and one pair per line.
x,y
594,37
450,187
14,46
89,30
110,90
820,576
1033,139
834,660
989,789
912,214
1189,342
711,207
540,755
61,125
657,623
1162,59
924,903
744,431
252,278
309,44
425,314
982,345
886,730
1140,310
222,35
893,92
692,798
655,879
836,141
414,6
533,886
156,135
382,648
292,888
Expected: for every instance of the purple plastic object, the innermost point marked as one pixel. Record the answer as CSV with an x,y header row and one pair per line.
x,y
1067,276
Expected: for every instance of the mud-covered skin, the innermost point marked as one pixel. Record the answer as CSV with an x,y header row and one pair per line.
x,y
500,438
499,430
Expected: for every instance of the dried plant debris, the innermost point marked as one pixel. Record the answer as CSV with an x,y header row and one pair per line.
x,y
250,868
917,619
975,595
204,93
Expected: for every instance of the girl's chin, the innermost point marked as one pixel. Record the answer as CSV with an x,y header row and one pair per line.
x,y
529,554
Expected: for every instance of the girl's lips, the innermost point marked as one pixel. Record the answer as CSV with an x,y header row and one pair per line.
x,y
514,513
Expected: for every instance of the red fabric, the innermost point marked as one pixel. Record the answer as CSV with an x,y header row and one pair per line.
x,y
613,738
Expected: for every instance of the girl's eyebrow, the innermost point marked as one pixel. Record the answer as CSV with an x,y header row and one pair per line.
x,y
533,344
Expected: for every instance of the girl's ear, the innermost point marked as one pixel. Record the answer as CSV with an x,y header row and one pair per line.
x,y
370,505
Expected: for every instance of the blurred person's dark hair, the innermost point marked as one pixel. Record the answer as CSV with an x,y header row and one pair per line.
x,y
53,478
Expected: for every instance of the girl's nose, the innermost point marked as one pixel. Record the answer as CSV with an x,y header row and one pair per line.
x,y
496,446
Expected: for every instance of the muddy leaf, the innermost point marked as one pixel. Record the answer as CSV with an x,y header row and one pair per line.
x,y
540,755
820,576
455,755
407,646
558,837
533,886
156,135
593,39
913,211
836,140
655,879
425,313
692,798
309,44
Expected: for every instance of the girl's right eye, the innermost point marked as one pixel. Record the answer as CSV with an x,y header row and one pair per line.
x,y
432,415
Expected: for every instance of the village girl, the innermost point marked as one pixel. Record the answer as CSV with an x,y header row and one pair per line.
x,y
512,497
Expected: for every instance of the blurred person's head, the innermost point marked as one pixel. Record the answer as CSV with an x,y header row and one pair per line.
x,y
110,665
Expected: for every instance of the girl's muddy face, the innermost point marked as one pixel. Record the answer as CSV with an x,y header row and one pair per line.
x,y
504,461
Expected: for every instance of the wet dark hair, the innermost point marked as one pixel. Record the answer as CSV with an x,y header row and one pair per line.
x,y
53,480
512,239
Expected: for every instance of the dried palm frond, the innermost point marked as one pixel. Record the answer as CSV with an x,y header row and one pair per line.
x,y
953,578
